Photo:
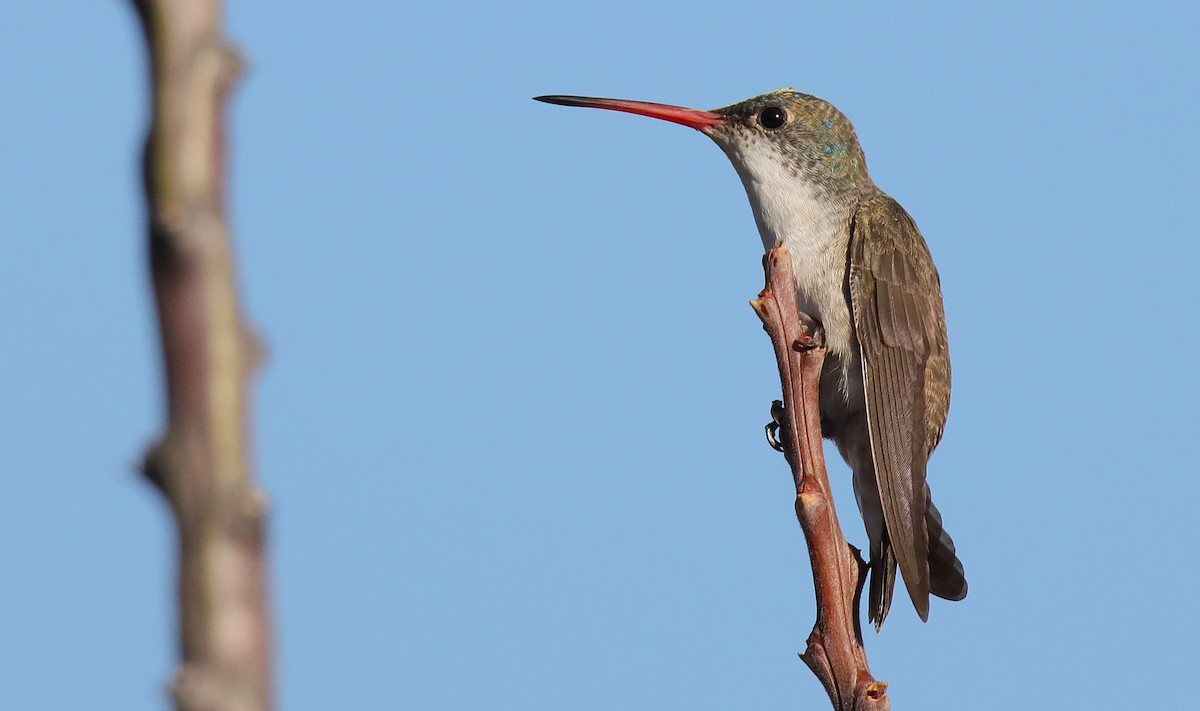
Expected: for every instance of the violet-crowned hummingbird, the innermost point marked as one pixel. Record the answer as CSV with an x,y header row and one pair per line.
x,y
864,272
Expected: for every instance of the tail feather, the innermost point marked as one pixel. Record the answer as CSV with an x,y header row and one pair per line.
x,y
883,582
946,577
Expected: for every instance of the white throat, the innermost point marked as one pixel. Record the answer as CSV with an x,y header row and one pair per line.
x,y
789,209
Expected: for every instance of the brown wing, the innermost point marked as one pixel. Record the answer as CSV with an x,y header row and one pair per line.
x,y
897,304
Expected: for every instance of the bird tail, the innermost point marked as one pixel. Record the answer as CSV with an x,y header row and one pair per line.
x,y
946,577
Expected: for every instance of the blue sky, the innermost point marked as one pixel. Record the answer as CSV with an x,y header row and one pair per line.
x,y
511,420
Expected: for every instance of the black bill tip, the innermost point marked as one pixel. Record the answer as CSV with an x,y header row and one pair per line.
x,y
562,99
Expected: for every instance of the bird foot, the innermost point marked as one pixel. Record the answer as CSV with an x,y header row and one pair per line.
x,y
772,429
812,336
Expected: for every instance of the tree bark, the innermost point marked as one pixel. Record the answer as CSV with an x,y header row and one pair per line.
x,y
835,652
201,462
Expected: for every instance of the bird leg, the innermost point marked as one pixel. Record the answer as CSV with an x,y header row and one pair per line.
x,y
811,337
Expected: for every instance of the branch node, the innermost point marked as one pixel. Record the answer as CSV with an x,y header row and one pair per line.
x,y
876,690
809,500
154,465
255,348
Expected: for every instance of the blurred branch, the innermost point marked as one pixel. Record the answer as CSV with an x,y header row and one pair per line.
x,y
201,464
835,653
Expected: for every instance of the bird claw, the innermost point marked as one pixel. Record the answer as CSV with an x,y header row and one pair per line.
x,y
772,428
813,335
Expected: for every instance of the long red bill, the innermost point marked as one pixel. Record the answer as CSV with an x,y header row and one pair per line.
x,y
694,118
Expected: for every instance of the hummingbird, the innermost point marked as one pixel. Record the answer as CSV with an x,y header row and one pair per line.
x,y
865,275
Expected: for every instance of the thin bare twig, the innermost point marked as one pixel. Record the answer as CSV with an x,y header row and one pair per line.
x,y
201,463
835,652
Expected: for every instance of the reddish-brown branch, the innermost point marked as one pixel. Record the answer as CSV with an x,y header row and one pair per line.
x,y
835,652
201,462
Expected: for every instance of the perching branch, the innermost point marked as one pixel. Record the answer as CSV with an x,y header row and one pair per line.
x,y
835,652
201,464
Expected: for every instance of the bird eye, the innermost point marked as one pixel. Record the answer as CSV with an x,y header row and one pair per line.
x,y
772,117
